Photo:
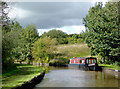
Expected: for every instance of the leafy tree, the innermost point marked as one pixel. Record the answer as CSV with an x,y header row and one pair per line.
x,y
6,45
29,36
4,19
70,40
17,42
10,41
102,35
43,49
16,36
58,34
0,43
75,38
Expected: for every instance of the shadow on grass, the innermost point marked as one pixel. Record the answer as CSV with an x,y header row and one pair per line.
x,y
22,69
23,64
26,71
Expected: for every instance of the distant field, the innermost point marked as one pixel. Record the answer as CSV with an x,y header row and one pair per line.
x,y
73,50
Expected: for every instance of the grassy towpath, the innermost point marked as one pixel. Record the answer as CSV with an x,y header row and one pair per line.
x,y
21,74
113,67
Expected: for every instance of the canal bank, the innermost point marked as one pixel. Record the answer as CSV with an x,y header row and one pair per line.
x,y
111,69
23,75
116,73
31,83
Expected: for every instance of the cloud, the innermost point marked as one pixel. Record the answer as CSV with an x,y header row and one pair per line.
x,y
67,29
73,29
65,16
51,14
19,13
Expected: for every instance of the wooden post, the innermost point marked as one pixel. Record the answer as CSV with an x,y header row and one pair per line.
x,y
103,60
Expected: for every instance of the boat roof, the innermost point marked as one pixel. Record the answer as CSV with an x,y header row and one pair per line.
x,y
84,58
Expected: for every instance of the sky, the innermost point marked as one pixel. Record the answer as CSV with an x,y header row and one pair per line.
x,y
65,16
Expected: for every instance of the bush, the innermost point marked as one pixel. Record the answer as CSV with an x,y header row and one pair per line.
x,y
100,62
116,63
109,62
43,49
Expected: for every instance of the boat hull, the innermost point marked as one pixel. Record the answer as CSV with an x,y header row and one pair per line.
x,y
84,66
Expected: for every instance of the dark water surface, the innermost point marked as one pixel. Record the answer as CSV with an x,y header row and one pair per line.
x,y
74,77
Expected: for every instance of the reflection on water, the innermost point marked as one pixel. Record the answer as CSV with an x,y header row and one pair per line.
x,y
73,77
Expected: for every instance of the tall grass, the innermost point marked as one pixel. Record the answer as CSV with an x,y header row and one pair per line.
x,y
73,50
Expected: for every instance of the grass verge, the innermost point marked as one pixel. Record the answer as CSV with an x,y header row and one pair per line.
x,y
72,50
66,51
113,67
20,75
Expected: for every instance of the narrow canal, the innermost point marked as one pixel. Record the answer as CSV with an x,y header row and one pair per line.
x,y
74,77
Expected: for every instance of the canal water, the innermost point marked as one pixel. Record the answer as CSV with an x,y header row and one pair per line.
x,y
75,77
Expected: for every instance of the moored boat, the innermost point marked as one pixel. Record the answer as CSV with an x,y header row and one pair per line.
x,y
89,63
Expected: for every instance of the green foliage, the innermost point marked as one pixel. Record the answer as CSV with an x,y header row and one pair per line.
x,y
102,35
58,62
43,49
29,36
10,42
110,66
117,64
99,62
75,38
0,43
63,38
58,34
4,19
17,44
7,41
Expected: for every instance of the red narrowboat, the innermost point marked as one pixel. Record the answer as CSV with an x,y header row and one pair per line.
x,y
89,62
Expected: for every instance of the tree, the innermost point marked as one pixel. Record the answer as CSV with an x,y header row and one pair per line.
x,y
17,42
58,34
43,49
75,38
6,45
4,19
29,36
10,41
102,35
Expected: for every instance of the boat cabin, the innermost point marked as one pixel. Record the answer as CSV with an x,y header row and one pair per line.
x,y
80,60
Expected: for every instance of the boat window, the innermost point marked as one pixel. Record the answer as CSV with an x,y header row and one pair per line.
x,y
74,61
82,61
92,60
89,61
